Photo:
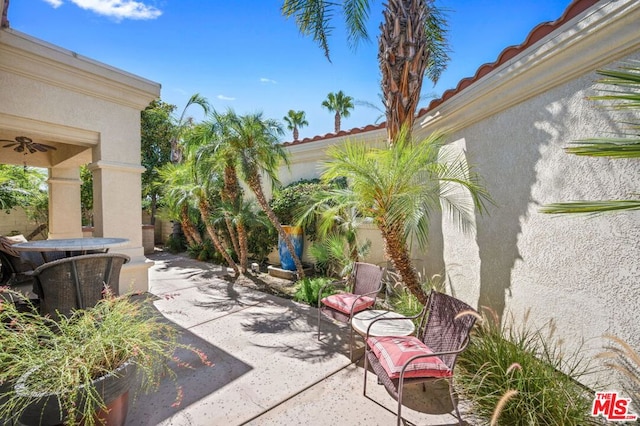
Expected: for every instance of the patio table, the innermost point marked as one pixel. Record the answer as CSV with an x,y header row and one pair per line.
x,y
398,327
70,246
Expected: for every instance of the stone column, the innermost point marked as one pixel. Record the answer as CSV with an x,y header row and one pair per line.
x,y
65,216
117,213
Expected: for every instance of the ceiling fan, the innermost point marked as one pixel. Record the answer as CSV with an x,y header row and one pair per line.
x,y
26,145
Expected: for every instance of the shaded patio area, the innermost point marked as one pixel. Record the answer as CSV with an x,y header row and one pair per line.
x,y
270,369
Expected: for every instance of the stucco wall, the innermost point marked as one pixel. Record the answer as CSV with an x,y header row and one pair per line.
x,y
582,272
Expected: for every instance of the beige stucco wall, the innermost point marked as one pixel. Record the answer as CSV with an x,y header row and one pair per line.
x,y
512,126
581,272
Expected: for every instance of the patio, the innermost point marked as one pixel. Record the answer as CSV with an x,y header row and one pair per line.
x,y
270,369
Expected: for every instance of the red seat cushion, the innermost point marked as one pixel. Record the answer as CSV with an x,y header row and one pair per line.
x,y
393,352
344,301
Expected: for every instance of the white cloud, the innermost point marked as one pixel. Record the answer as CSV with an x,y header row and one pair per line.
x,y
226,98
117,9
55,3
267,80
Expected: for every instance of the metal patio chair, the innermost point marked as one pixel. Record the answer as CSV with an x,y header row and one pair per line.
x,y
363,285
398,361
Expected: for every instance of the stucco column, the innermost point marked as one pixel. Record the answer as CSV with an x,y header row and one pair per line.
x,y
65,216
117,213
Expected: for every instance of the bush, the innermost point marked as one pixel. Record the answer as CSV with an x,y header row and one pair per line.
x,y
308,288
206,252
531,363
175,244
262,238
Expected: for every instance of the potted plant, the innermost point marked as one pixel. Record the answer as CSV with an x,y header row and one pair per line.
x,y
79,369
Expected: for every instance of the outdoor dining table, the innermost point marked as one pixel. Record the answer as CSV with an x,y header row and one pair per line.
x,y
70,246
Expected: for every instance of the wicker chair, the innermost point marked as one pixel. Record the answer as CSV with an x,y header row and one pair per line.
x,y
76,282
444,333
363,285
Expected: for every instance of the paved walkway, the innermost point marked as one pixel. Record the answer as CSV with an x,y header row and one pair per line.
x,y
270,369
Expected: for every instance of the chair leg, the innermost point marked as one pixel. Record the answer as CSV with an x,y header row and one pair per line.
x,y
350,342
453,401
400,386
319,318
366,367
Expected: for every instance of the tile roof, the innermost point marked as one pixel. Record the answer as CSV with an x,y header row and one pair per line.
x,y
540,31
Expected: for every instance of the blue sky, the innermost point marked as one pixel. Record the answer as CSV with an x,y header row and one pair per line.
x,y
243,54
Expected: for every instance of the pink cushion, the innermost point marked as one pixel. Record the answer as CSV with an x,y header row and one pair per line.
x,y
344,301
393,352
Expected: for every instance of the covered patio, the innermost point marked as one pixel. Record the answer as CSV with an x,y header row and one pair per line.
x,y
88,113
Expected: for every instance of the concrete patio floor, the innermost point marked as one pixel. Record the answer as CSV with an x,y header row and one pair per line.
x,y
269,367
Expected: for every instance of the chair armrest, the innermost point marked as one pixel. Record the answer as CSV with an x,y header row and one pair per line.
x,y
464,345
371,293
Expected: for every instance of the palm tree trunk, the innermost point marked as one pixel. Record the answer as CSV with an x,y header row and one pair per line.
x,y
256,187
337,122
230,195
189,230
233,233
204,212
295,134
403,59
244,247
396,249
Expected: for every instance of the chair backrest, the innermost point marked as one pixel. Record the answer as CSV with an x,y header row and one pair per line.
x,y
366,278
444,329
76,282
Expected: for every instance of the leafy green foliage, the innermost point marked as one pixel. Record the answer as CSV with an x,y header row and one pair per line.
x,y
86,195
157,128
175,244
308,289
262,239
19,186
287,202
530,362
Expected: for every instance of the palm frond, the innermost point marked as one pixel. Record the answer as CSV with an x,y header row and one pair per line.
x,y
606,147
590,207
356,13
436,34
313,18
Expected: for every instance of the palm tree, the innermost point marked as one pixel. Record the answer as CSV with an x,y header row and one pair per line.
x,y
189,185
252,143
624,94
411,45
340,104
206,146
398,187
176,179
184,123
295,120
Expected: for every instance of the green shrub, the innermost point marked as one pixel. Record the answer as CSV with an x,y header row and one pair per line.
x,y
261,240
308,288
175,244
528,368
